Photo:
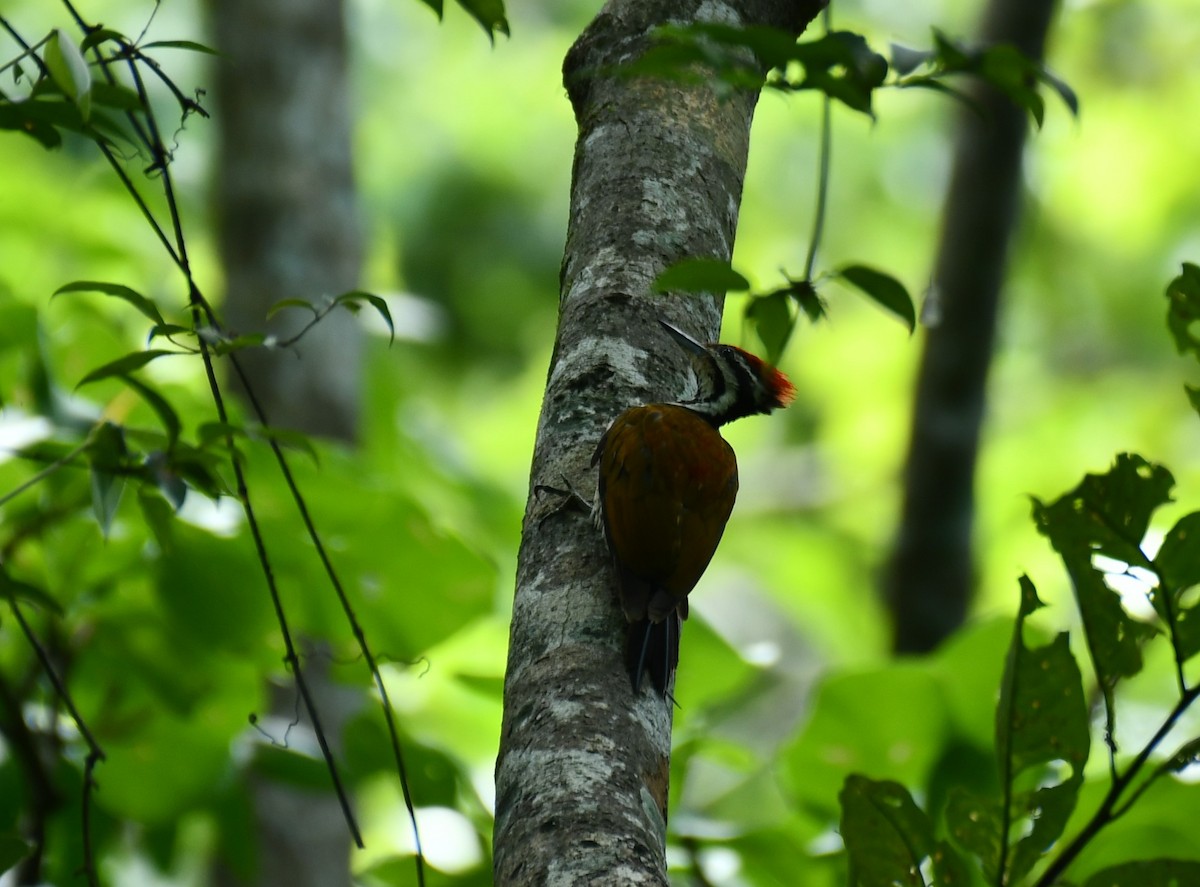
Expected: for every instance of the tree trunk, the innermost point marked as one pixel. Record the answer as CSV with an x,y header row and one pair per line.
x,y
581,780
287,210
288,228
929,580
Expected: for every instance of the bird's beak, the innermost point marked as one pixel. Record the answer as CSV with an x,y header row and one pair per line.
x,y
683,340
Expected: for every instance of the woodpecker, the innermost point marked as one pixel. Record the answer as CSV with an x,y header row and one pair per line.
x,y
666,487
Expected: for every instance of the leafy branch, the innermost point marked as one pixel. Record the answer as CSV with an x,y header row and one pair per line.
x,y
1042,726
843,67
65,97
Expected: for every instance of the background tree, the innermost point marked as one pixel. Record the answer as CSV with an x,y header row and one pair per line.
x,y
931,573
288,222
288,217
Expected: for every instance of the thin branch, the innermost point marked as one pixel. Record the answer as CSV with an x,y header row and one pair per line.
x,y
200,309
47,471
1105,812
823,171
95,752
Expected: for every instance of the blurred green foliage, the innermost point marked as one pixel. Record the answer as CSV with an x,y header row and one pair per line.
x,y
164,630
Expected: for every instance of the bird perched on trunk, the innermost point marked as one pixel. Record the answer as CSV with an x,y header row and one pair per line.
x,y
666,487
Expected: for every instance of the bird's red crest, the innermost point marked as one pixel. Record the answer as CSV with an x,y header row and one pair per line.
x,y
775,381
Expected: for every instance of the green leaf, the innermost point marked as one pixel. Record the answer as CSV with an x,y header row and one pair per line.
x,y
975,824
773,47
1060,86
1108,515
887,836
1193,396
948,54
489,14
905,60
197,589
1178,566
286,438
123,366
1041,726
1183,293
1187,755
806,296
168,330
189,45
106,453
891,722
1148,873
26,117
291,303
1014,74
98,36
114,95
13,848
143,304
842,65
773,322
18,323
165,412
69,70
884,289
200,469
931,82
436,6
15,590
222,345
888,839
700,276
352,299
211,432
288,767
157,513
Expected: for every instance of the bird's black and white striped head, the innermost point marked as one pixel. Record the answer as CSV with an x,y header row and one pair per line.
x,y
731,383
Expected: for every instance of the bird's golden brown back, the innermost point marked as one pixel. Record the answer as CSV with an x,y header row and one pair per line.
x,y
667,484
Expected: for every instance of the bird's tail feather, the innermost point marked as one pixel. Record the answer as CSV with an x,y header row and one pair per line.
x,y
652,648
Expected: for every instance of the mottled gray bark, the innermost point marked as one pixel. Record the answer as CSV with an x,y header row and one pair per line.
x,y
581,780
929,580
287,213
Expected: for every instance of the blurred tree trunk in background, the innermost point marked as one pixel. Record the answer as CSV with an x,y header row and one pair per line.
x,y
582,774
929,580
288,227
287,211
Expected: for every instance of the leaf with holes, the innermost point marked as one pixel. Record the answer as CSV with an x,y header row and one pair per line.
x,y
889,839
1178,566
1106,514
975,825
1183,293
1042,737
